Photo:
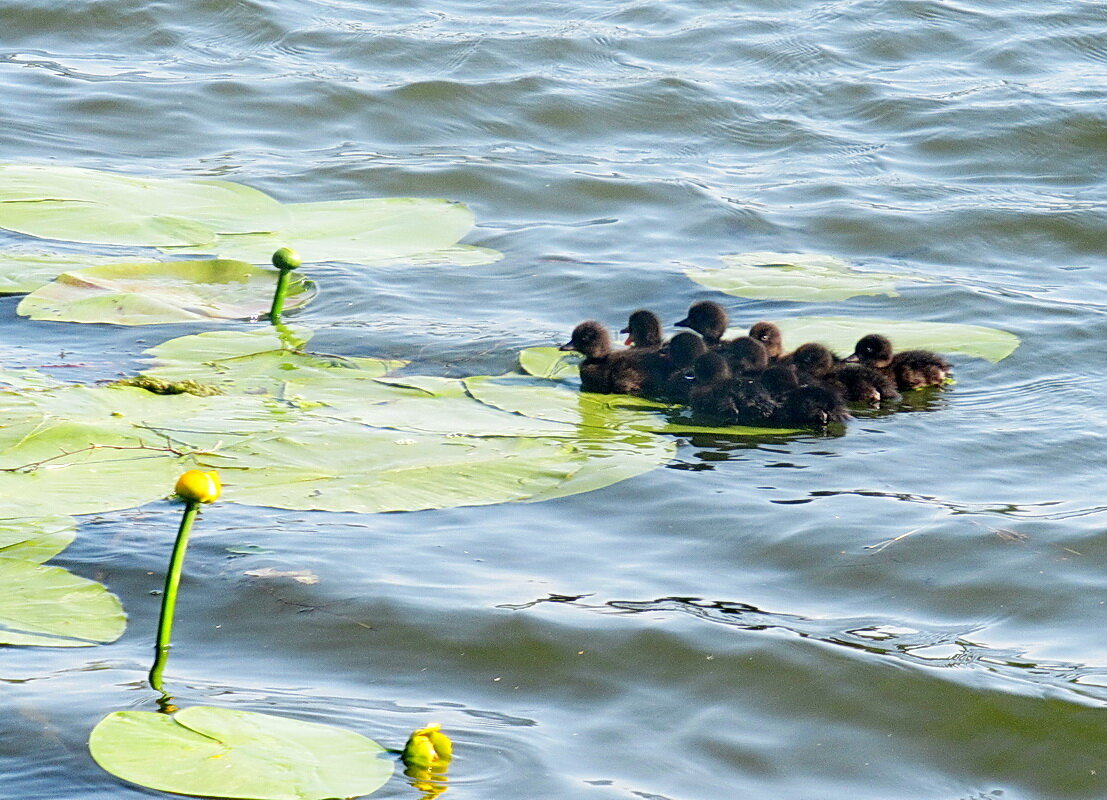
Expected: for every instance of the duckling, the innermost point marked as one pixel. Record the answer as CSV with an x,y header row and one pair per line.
x,y
718,393
856,383
769,335
683,350
603,370
643,329
811,406
708,319
711,391
798,404
910,369
745,355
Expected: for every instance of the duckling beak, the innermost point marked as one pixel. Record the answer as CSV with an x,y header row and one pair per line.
x,y
568,347
852,359
682,324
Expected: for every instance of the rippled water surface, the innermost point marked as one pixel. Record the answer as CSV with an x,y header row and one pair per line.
x,y
914,609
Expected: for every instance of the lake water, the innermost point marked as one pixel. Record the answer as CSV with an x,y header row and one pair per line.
x,y
912,610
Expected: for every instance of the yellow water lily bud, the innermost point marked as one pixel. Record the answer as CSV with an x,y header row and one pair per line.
x,y
428,746
201,487
286,258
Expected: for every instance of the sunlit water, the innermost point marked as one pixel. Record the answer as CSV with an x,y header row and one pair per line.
x,y
912,610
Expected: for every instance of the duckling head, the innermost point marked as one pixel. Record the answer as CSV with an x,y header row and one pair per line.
x,y
707,318
590,338
643,329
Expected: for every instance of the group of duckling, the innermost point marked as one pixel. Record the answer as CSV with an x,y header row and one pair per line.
x,y
749,380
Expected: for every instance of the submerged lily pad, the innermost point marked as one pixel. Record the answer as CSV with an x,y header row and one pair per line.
x,y
85,205
806,277
44,605
161,292
218,752
841,334
21,273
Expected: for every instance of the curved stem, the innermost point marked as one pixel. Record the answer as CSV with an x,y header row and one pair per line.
x,y
169,597
278,297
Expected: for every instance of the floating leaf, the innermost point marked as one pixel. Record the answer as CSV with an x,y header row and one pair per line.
x,y
161,292
84,205
805,277
363,231
21,273
216,752
841,334
43,605
264,361
35,539
549,363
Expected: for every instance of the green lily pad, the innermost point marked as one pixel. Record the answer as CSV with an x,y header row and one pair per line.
x,y
841,334
806,277
550,363
84,205
35,539
162,292
21,273
43,605
217,752
265,361
363,231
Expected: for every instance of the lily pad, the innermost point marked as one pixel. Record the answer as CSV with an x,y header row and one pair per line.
x,y
550,363
84,205
162,292
841,334
21,273
806,277
265,361
44,605
217,752
363,231
35,539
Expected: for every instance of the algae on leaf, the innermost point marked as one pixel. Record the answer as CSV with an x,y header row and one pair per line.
x,y
220,752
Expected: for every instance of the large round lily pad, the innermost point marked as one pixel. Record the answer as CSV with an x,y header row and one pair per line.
x,y
217,752
804,277
361,231
85,205
162,292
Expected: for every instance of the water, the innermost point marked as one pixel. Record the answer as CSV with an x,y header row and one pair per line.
x,y
912,610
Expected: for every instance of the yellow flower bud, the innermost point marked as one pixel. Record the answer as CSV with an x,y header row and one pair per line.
x,y
428,746
197,486
286,258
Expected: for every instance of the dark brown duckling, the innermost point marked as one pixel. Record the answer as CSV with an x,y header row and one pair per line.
x,y
856,383
643,329
910,369
811,405
708,319
683,350
711,389
603,370
745,355
718,393
769,335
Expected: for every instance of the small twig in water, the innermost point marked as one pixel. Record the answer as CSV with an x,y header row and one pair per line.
x,y
881,545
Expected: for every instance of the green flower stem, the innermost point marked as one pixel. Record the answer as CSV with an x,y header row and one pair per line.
x,y
169,597
278,297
